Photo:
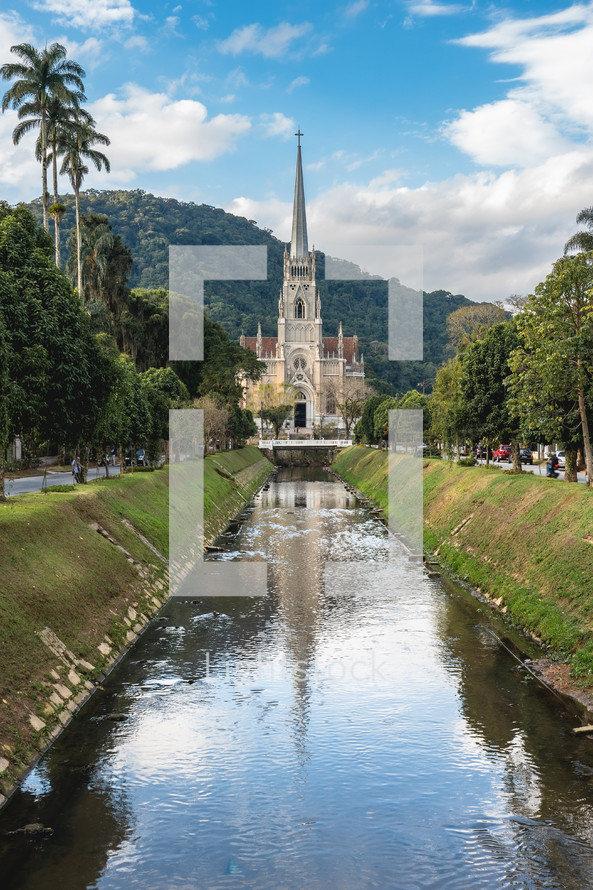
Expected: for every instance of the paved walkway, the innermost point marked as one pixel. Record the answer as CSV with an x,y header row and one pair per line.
x,y
26,484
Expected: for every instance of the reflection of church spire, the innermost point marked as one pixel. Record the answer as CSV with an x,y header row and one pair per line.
x,y
299,246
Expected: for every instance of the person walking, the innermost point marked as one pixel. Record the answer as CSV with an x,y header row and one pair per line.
x,y
76,470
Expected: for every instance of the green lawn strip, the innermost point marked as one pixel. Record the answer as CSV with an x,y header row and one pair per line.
x,y
518,538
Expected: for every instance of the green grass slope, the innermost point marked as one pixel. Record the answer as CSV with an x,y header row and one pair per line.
x,y
523,541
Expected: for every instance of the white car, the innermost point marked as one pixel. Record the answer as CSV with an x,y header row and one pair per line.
x,y
561,455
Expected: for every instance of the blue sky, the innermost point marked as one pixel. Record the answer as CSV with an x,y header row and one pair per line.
x,y
460,128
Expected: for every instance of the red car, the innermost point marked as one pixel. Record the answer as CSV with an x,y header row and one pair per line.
x,y
503,452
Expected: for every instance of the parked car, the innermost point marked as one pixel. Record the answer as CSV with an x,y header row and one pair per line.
x,y
561,455
526,456
503,452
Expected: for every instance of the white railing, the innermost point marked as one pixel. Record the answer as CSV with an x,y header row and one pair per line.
x,y
304,443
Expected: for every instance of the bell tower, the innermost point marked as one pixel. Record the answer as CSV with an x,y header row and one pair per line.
x,y
299,309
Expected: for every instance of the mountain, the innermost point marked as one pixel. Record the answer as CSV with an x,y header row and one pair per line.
x,y
149,224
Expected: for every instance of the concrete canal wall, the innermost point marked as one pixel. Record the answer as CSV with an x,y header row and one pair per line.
x,y
525,543
82,574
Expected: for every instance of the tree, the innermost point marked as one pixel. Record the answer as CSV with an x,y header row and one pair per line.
x,y
106,263
276,415
349,396
62,121
365,428
41,76
56,373
449,419
470,323
273,403
77,148
216,418
556,331
484,387
164,390
582,241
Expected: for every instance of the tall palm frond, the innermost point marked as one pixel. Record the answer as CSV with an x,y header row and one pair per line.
x,y
77,149
582,242
40,76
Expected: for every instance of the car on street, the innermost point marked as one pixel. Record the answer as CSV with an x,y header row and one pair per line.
x,y
503,452
526,456
561,455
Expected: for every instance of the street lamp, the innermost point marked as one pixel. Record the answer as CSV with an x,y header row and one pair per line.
x,y
261,420
321,426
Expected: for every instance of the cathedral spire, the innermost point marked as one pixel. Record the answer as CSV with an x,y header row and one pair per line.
x,y
299,247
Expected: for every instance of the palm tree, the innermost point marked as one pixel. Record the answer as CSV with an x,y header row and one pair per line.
x,y
40,75
62,120
77,147
582,241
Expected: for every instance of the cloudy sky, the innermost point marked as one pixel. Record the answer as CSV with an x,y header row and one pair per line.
x,y
459,129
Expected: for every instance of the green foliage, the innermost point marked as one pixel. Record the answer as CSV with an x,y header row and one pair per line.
x,y
106,263
276,415
484,385
552,365
148,224
56,373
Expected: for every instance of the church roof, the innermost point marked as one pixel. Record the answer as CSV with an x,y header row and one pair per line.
x,y
268,345
330,347
299,246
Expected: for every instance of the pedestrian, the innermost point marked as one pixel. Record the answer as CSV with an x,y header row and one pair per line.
x,y
76,470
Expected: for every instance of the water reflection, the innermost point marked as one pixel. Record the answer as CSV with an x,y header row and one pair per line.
x,y
359,727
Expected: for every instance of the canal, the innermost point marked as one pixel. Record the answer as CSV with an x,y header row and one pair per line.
x,y
359,727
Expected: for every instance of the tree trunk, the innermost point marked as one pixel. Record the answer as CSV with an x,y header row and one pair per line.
x,y
78,245
586,436
44,171
570,473
121,461
56,217
516,457
581,466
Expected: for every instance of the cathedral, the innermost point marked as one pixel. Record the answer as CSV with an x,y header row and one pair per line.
x,y
321,369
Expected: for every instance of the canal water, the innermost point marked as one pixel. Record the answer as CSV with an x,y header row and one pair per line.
x,y
360,727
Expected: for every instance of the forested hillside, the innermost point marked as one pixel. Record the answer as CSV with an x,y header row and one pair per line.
x,y
148,225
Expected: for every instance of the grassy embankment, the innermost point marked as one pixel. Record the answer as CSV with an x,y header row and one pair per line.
x,y
94,592
523,541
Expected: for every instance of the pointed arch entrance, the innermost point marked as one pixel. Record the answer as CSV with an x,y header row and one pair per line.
x,y
300,410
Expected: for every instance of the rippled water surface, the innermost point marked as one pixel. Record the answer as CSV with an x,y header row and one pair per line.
x,y
360,727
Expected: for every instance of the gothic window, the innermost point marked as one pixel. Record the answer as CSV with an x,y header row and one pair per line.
x,y
300,396
299,309
330,405
300,364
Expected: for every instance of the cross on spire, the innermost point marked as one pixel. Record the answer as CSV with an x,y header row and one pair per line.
x,y
299,134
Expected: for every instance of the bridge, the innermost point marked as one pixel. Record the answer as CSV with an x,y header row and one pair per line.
x,y
304,443
302,452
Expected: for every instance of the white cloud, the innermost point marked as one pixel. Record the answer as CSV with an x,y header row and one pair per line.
x,y
430,9
201,22
13,30
88,13
137,42
548,105
506,133
301,81
486,235
150,131
18,167
277,124
354,9
271,42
